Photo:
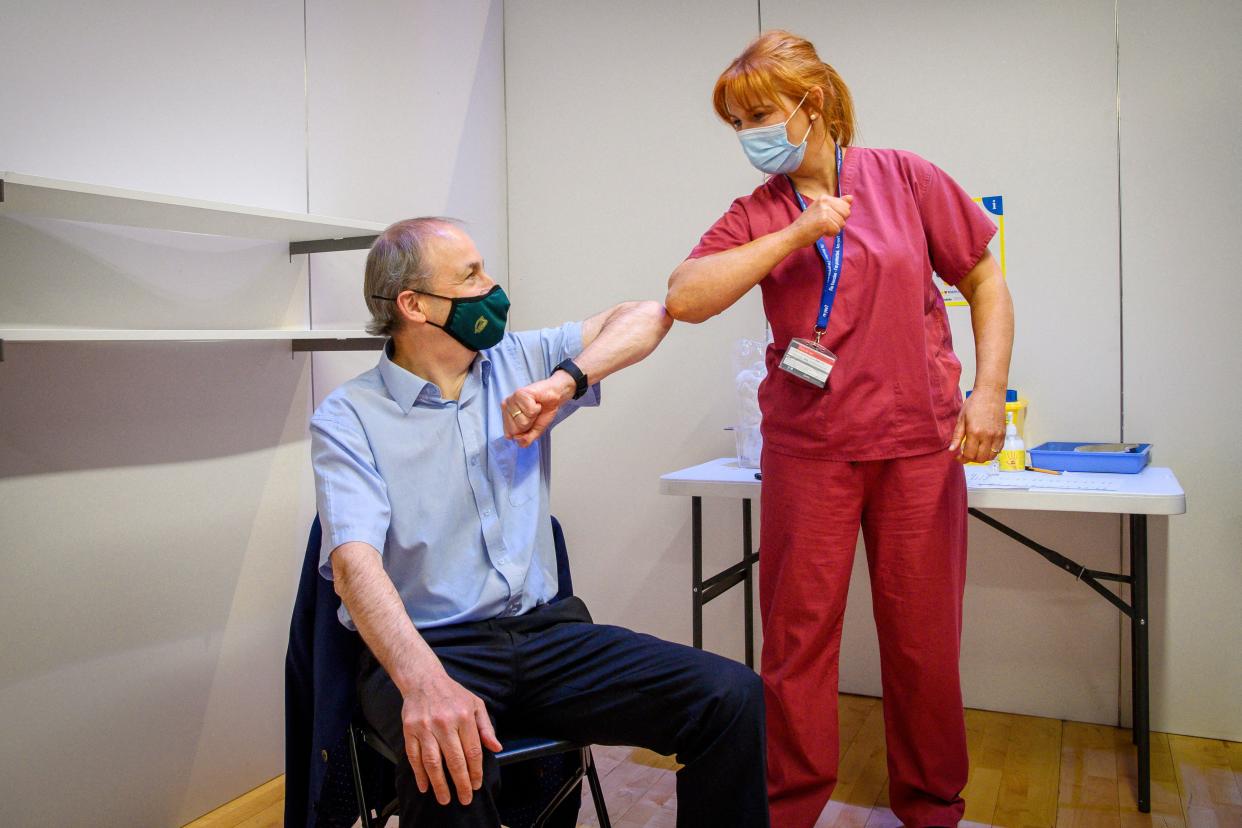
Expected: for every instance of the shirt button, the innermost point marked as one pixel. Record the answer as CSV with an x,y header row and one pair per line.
x,y
487,513
502,561
474,461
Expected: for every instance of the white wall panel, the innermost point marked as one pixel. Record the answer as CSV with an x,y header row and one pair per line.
x,y
1181,95
151,497
203,100
617,164
407,118
154,497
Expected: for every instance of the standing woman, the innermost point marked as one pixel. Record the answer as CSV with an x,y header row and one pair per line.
x,y
863,422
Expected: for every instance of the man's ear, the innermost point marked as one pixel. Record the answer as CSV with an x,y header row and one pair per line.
x,y
408,307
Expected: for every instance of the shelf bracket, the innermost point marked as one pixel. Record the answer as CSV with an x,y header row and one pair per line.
x,y
369,343
331,245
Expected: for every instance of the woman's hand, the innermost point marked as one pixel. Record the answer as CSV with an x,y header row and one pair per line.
x,y
701,288
980,431
824,217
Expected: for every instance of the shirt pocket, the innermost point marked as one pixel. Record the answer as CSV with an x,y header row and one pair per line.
x,y
518,468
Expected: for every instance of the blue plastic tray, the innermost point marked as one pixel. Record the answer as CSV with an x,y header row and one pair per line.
x,y
1062,457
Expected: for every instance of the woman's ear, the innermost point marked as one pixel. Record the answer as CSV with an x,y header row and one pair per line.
x,y
816,98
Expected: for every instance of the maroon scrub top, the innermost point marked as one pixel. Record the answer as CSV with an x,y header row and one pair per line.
x,y
894,391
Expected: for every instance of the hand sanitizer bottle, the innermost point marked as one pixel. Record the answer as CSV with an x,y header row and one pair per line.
x,y
1013,455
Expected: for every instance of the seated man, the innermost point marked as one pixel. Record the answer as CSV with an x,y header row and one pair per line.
x,y
432,474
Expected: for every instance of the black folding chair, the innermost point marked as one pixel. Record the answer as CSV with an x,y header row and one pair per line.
x,y
516,750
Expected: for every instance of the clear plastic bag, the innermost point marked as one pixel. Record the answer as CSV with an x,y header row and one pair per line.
x,y
749,370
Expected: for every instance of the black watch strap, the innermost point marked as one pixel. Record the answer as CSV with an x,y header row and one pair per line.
x,y
580,379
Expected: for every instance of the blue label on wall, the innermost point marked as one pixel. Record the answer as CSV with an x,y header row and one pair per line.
x,y
994,205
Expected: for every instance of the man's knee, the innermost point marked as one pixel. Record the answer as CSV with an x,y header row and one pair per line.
x,y
735,694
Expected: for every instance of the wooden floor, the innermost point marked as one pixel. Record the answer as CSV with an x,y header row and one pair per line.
x,y
1024,772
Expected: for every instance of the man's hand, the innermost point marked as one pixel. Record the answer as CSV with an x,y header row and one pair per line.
x,y
529,411
823,217
445,725
980,431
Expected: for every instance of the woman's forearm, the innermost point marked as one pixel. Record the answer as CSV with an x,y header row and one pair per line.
x,y
701,288
991,317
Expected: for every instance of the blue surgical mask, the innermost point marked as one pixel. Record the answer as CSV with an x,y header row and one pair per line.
x,y
768,147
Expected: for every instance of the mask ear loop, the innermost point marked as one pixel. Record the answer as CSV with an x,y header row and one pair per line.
x,y
795,112
448,320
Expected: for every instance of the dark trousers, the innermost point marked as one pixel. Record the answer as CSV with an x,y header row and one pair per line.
x,y
552,673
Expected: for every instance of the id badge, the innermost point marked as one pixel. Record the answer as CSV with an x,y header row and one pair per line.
x,y
809,361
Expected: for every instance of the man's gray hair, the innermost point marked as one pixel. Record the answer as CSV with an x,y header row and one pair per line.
x,y
397,262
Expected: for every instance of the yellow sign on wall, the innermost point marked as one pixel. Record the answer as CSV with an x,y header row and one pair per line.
x,y
995,207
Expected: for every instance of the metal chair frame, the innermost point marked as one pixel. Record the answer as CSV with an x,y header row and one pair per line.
x,y
518,750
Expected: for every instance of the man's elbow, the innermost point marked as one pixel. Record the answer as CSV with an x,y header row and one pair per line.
x,y
658,315
340,574
350,561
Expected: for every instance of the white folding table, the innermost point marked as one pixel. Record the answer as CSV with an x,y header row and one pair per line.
x,y
1153,491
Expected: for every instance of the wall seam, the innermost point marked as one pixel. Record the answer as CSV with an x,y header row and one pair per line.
x,y
504,85
1121,281
310,266
1121,335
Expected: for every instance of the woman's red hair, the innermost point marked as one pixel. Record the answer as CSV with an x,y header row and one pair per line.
x,y
780,63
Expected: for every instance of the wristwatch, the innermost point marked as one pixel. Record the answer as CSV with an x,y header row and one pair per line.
x,y
580,379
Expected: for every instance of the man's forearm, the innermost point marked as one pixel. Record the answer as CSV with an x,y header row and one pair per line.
x,y
380,616
630,332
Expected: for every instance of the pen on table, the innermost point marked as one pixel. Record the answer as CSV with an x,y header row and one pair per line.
x,y
1041,471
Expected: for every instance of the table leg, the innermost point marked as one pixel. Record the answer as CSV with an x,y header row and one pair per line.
x,y
1136,611
1138,634
696,570
1134,671
748,612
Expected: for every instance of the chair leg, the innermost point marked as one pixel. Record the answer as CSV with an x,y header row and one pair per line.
x,y
561,796
355,766
597,790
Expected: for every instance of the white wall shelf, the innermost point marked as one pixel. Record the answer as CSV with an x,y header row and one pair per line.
x,y
173,335
300,339
74,201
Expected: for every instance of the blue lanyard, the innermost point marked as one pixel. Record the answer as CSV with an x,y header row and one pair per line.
x,y
832,264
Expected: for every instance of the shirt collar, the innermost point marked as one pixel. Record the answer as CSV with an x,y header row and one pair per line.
x,y
408,388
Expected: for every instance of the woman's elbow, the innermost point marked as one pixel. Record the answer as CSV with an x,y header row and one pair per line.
x,y
681,306
685,311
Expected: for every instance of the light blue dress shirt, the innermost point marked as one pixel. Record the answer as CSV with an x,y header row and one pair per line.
x,y
458,512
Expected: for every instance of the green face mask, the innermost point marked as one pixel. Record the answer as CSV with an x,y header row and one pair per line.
x,y
478,322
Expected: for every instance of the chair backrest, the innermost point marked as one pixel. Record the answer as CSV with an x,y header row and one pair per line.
x,y
564,583
319,699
